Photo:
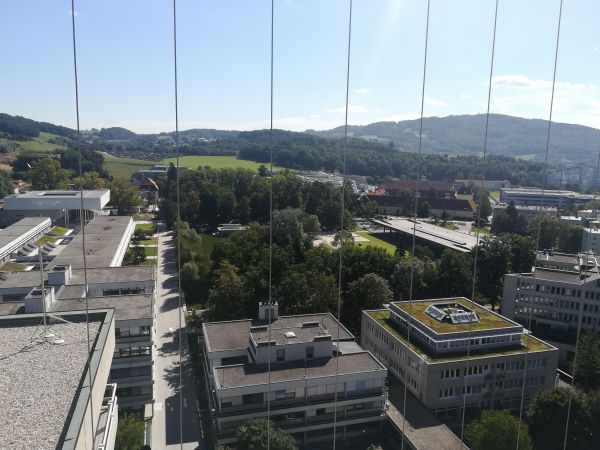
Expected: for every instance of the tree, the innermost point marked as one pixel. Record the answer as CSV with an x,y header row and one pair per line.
x,y
225,294
368,292
134,256
342,237
587,361
47,174
5,184
424,208
494,261
287,228
522,252
124,196
569,238
90,180
423,277
547,418
455,274
130,433
548,228
497,430
254,435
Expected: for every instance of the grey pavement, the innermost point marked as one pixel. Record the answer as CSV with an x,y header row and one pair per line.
x,y
168,432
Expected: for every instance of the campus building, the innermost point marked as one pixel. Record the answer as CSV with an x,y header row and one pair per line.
x,y
434,364
290,365
547,197
22,235
50,397
128,290
62,206
563,291
590,240
530,212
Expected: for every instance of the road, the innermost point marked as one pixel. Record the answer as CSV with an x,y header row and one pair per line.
x,y
166,429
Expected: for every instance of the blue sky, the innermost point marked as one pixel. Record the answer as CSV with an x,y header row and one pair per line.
x,y
126,71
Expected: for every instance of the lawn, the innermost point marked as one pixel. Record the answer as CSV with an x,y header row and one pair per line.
x,y
151,251
150,262
495,195
216,162
209,241
58,231
41,144
124,167
481,230
374,242
12,267
148,242
448,226
149,227
45,239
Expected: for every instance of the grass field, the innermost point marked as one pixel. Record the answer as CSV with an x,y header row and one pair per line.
x,y
145,227
481,230
374,242
12,267
58,231
215,162
124,167
150,262
148,242
495,195
151,251
209,241
40,144
45,239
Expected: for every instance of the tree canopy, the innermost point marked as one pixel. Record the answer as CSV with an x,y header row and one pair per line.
x,y
497,430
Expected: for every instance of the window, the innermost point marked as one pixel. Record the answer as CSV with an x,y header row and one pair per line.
x,y
280,355
310,351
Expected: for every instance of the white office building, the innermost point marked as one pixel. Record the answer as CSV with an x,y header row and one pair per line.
x,y
305,363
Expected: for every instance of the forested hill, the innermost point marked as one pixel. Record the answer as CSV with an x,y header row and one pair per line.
x,y
508,135
19,127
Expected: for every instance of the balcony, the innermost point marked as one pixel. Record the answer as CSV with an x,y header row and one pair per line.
x,y
296,402
106,430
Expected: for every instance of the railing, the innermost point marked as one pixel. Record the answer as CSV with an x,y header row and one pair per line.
x,y
108,404
289,403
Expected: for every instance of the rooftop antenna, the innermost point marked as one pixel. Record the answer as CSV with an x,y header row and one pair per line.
x,y
47,334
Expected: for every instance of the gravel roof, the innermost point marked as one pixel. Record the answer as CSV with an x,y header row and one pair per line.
x,y
127,307
39,383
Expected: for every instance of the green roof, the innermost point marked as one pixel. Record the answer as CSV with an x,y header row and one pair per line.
x,y
382,317
487,319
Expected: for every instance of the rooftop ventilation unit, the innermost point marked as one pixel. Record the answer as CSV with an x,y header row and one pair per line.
x,y
310,324
290,334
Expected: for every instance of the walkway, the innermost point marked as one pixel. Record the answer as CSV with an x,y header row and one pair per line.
x,y
166,424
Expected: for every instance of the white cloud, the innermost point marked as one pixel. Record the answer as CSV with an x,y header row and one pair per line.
x,y
353,109
315,116
466,96
522,96
596,49
71,13
433,102
524,82
362,91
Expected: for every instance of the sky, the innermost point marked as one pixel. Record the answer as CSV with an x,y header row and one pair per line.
x,y
125,61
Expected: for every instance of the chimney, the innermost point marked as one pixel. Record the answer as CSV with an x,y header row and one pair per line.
x,y
265,308
34,301
60,275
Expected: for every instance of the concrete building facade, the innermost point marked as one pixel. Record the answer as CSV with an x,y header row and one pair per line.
x,y
305,361
434,365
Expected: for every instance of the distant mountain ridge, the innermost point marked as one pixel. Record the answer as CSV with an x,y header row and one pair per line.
x,y
453,135
464,134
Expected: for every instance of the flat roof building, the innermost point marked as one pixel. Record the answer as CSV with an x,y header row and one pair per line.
x,y
57,200
434,364
25,231
300,390
562,291
590,241
49,398
528,211
547,197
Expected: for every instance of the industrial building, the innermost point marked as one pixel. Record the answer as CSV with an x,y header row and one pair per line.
x,y
434,364
548,197
305,361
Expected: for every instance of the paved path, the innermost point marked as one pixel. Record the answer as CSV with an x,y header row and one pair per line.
x,y
166,423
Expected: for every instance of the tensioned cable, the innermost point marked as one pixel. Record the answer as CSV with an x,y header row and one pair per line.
x,y
478,224
178,231
270,306
343,208
81,218
414,236
539,230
